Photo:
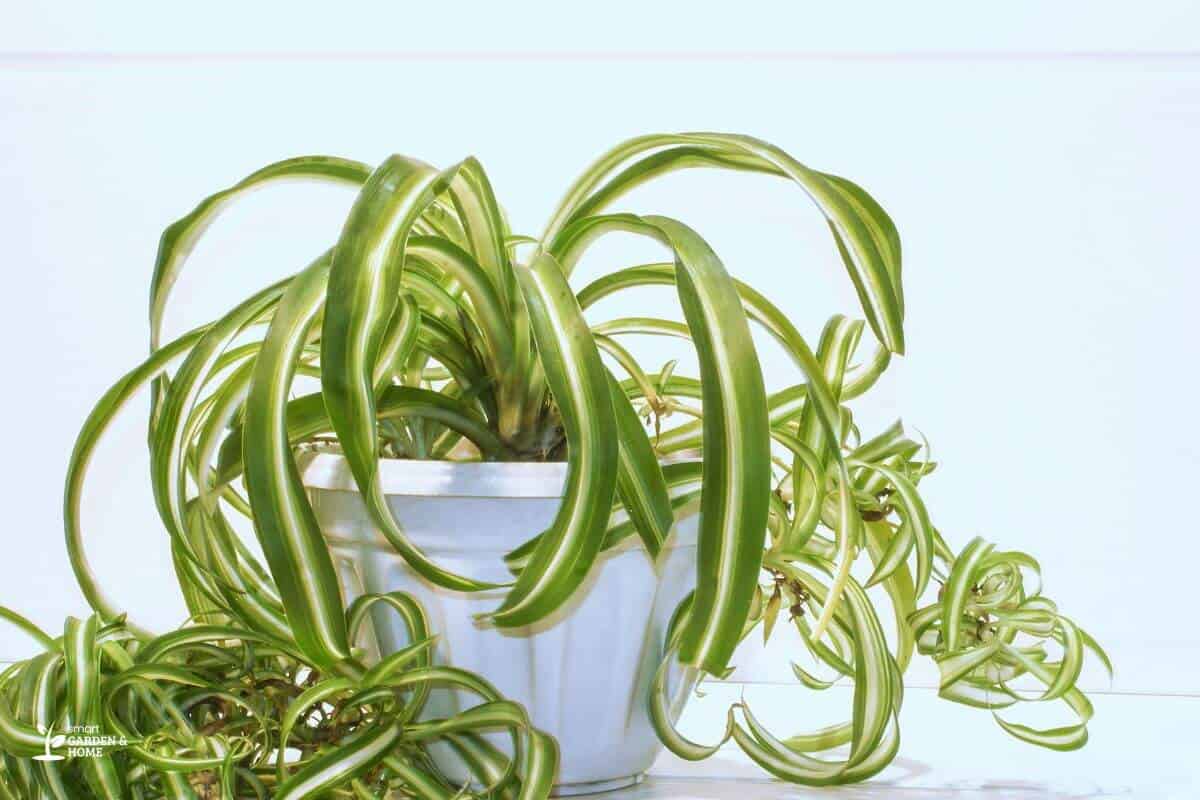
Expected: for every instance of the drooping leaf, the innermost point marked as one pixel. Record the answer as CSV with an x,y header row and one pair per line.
x,y
284,520
364,289
580,386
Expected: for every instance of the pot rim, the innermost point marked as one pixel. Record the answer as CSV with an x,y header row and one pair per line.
x,y
411,477
424,478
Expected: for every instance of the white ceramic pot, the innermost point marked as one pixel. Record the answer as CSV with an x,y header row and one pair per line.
x,y
583,674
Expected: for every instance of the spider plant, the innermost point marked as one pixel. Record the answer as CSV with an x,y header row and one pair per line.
x,y
431,330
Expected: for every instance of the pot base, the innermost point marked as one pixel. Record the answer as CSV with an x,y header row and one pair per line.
x,y
595,787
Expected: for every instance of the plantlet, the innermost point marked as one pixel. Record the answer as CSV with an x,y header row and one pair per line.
x,y
431,331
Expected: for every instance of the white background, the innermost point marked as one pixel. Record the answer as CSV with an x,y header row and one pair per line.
x,y
1040,164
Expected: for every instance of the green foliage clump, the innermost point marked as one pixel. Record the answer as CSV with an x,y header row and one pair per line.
x,y
435,332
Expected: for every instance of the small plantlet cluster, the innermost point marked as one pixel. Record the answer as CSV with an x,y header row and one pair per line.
x,y
430,330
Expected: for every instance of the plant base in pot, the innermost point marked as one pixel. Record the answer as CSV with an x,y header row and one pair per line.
x,y
582,674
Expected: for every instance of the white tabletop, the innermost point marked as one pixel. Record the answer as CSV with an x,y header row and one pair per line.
x,y
1140,747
